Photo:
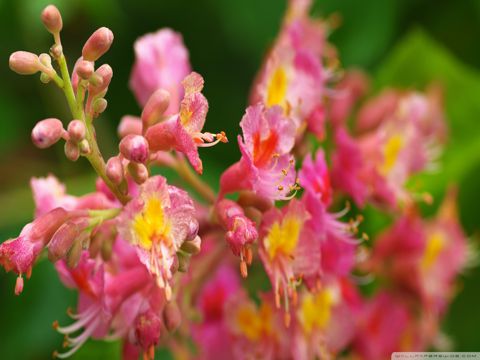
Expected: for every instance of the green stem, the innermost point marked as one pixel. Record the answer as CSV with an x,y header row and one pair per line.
x,y
188,175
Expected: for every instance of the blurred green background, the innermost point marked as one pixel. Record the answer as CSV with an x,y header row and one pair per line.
x,y
406,43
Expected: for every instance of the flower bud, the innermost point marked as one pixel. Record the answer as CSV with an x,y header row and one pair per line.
x,y
156,105
138,172
99,106
105,73
45,59
129,125
192,246
134,148
24,63
72,152
76,130
171,316
114,170
84,147
47,132
64,237
85,69
75,78
52,19
97,44
148,326
44,78
56,51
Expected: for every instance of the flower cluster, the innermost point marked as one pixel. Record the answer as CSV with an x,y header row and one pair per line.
x,y
150,259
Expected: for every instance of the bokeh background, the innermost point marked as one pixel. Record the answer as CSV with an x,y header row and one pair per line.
x,y
406,43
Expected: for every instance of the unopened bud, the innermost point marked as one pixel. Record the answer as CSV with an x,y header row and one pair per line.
x,y
156,105
47,132
129,125
76,130
99,105
72,152
84,147
148,327
85,69
139,172
97,44
104,73
192,246
56,51
134,148
115,170
172,317
45,59
52,19
44,78
75,78
63,239
24,63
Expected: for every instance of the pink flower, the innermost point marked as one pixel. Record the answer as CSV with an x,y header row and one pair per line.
x,y
257,331
377,165
266,166
211,335
293,76
288,249
424,257
161,61
182,131
375,339
20,254
156,223
49,193
314,177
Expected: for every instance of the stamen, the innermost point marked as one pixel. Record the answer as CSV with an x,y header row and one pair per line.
x,y
243,269
80,340
89,315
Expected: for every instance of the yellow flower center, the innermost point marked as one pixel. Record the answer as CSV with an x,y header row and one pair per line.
x,y
282,238
277,88
435,244
391,151
151,226
315,311
255,323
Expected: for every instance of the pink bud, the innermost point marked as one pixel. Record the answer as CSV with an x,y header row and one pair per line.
x,y
156,105
75,78
105,73
134,148
24,63
129,125
56,51
148,326
84,147
72,152
171,316
47,132
115,170
52,19
63,239
138,171
76,130
85,69
97,44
